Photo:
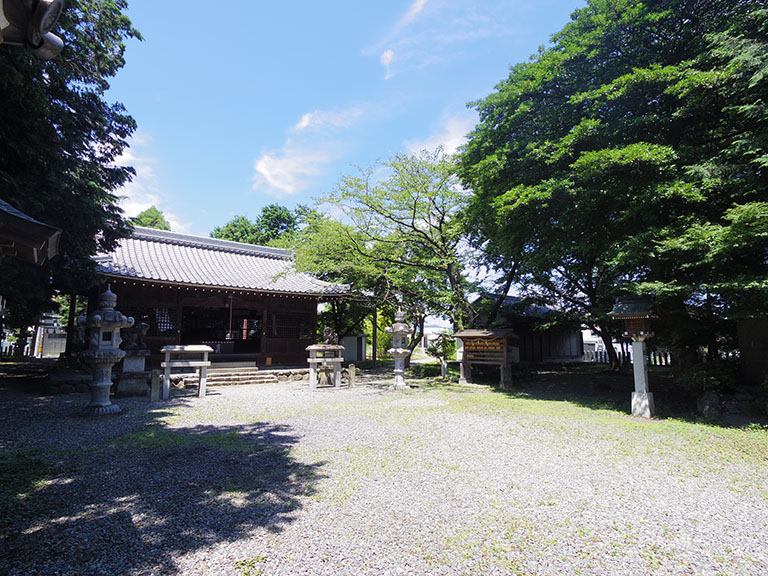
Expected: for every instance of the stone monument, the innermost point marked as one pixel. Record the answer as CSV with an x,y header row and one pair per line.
x,y
399,330
325,355
134,380
103,351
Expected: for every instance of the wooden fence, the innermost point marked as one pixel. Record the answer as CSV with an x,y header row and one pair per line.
x,y
655,358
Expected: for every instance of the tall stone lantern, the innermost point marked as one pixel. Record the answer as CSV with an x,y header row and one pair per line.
x,y
103,351
637,311
399,330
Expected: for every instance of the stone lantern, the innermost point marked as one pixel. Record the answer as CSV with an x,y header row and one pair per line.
x,y
637,311
103,351
399,330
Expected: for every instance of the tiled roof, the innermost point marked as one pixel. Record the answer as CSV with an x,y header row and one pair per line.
x,y
26,238
160,256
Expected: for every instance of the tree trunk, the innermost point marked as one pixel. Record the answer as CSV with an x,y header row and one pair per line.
x,y
417,333
21,342
605,336
70,345
500,300
375,326
461,307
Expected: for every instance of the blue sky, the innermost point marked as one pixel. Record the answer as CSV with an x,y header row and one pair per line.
x,y
272,102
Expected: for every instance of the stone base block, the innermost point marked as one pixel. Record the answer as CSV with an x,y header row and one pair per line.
x,y
642,404
133,385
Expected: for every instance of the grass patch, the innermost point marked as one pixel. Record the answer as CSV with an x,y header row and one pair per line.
x,y
23,474
250,566
156,439
432,371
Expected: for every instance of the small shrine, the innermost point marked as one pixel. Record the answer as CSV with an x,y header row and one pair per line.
x,y
487,347
103,351
399,330
324,357
637,311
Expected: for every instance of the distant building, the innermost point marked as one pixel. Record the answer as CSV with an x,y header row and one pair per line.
x,y
538,344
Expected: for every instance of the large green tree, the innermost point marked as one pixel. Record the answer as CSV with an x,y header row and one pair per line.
x,y
59,141
630,155
393,231
152,217
273,223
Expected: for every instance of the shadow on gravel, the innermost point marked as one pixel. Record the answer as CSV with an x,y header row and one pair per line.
x,y
137,503
131,495
603,389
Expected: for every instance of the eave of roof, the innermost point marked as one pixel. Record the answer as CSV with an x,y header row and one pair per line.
x,y
485,333
26,238
169,258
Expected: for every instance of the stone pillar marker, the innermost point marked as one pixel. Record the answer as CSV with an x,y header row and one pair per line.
x,y
398,330
103,351
636,311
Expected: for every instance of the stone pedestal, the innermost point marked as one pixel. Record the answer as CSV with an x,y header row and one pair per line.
x,y
325,356
134,381
642,400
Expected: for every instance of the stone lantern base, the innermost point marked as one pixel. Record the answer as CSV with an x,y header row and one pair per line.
x,y
101,370
101,410
642,404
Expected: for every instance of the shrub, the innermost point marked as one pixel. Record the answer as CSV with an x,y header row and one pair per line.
x,y
717,376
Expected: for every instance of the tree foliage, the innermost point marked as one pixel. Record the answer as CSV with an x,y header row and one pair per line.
x,y
275,222
398,238
630,155
152,217
59,142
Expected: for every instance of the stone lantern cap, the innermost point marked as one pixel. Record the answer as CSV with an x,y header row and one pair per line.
x,y
632,308
399,326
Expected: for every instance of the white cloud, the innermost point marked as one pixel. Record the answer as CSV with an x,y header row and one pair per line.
x,y
451,135
434,31
143,191
410,16
414,9
317,141
386,60
288,171
323,119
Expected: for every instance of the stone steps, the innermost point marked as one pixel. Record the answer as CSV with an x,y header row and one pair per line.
x,y
225,377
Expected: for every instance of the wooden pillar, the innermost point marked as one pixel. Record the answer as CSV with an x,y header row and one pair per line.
x,y
179,317
264,337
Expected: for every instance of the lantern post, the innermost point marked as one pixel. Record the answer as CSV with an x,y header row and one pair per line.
x,y
637,311
399,330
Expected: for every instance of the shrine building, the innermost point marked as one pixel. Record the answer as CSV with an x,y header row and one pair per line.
x,y
245,301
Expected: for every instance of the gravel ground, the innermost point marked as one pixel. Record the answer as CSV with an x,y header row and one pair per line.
x,y
279,480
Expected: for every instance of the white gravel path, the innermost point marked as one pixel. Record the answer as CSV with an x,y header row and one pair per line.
x,y
281,480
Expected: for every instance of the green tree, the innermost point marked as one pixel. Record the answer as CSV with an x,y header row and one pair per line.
x,y
274,223
152,217
611,161
239,229
400,239
59,140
